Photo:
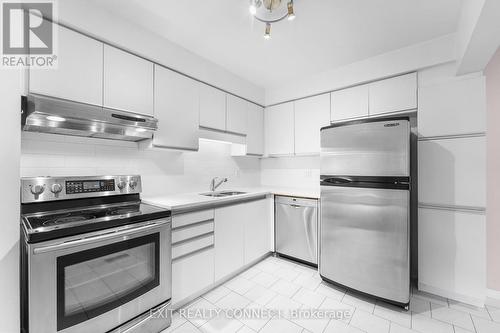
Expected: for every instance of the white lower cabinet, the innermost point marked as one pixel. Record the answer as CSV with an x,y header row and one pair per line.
x,y
229,240
191,274
192,254
452,255
242,235
258,229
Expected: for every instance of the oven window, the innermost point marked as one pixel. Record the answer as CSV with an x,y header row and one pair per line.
x,y
95,281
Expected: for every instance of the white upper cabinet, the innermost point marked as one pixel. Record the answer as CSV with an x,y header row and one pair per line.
x,y
279,129
456,106
394,94
310,115
349,103
236,116
212,108
128,82
255,130
176,105
78,76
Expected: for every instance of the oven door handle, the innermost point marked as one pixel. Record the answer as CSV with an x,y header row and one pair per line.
x,y
99,238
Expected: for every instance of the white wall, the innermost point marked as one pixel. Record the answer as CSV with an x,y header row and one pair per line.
x,y
9,198
86,16
477,35
163,172
409,59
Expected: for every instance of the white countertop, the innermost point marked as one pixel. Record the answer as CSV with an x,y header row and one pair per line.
x,y
184,202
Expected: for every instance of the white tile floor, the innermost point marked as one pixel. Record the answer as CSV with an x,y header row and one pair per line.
x,y
281,284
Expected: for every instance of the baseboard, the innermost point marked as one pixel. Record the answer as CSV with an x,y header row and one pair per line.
x,y
493,297
476,301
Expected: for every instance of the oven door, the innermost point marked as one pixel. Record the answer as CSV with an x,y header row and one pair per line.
x,y
96,282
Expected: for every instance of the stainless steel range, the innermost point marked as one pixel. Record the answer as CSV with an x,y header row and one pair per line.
x,y
94,258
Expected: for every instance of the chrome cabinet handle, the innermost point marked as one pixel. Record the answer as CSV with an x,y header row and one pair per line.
x,y
98,238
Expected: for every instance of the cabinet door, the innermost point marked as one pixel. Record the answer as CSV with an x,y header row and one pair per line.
x,y
451,254
237,110
258,224
177,109
78,76
279,124
310,115
456,106
128,82
349,103
395,94
452,172
255,130
192,274
229,240
212,108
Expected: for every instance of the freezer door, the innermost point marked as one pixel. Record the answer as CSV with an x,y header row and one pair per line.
x,y
297,228
364,242
375,148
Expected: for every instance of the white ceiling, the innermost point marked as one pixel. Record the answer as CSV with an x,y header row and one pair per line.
x,y
326,33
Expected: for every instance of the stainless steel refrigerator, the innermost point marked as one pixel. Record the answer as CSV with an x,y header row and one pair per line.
x,y
365,207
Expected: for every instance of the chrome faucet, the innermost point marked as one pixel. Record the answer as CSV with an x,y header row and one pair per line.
x,y
216,182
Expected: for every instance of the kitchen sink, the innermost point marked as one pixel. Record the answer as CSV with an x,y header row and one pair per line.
x,y
220,194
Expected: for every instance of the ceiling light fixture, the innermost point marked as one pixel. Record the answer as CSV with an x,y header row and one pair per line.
x,y
267,34
291,14
271,11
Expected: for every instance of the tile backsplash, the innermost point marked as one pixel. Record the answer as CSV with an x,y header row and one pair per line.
x,y
297,171
163,172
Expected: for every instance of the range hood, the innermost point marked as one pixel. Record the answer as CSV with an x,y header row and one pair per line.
x,y
59,116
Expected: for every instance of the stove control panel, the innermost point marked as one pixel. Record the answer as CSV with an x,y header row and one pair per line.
x,y
86,186
38,189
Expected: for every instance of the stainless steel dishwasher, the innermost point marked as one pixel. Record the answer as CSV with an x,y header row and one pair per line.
x,y
296,226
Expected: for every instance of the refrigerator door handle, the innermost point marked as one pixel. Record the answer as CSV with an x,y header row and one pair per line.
x,y
336,180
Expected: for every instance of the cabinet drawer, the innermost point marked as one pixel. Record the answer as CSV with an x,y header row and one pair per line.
x,y
190,218
190,246
191,231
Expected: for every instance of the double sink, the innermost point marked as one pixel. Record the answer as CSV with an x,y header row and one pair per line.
x,y
221,194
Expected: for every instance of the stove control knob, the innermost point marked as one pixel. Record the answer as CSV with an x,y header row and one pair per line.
x,y
37,189
132,183
121,184
56,188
